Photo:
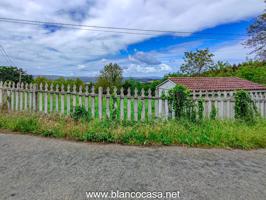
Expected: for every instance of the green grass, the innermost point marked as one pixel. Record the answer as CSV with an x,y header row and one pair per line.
x,y
208,133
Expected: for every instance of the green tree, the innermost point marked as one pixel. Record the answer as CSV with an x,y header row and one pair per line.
x,y
14,74
257,37
111,76
197,62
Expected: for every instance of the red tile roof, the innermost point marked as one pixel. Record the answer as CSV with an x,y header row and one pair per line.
x,y
216,83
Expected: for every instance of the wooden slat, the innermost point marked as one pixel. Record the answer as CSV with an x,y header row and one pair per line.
x,y
21,97
143,104
68,99
108,96
149,105
100,101
46,98
128,104
74,98
122,104
62,99
51,98
136,104
92,102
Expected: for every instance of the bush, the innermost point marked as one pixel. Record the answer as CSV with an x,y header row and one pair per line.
x,y
80,113
180,98
245,108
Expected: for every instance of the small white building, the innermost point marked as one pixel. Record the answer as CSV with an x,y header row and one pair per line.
x,y
218,90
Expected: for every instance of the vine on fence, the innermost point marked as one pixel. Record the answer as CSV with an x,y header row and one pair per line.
x,y
200,109
213,113
245,108
180,99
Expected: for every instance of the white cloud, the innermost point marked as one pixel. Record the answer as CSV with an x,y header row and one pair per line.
x,y
77,52
233,53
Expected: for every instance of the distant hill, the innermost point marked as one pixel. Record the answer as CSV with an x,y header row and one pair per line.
x,y
87,79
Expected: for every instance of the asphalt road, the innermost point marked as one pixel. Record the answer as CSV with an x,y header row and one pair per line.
x,y
34,168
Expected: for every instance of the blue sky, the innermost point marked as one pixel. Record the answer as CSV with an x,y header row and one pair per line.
x,y
219,25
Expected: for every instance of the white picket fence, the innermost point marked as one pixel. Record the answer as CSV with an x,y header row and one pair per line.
x,y
224,102
33,98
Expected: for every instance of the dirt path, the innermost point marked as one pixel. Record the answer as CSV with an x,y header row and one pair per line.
x,y
39,168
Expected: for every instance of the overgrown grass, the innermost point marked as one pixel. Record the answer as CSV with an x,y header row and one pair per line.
x,y
208,133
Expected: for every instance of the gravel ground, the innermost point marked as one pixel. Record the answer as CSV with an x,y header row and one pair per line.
x,y
34,168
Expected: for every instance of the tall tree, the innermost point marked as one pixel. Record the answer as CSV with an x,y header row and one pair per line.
x,y
111,76
14,74
257,37
197,62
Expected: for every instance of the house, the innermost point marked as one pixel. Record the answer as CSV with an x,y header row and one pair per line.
x,y
217,90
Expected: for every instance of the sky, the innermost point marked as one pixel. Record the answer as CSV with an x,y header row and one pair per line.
x,y
46,49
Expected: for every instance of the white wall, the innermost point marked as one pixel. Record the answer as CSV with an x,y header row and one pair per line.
x,y
167,85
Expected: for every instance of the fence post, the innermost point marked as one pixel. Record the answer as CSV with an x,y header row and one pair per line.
x,y
108,103
21,96
100,101
114,111
62,99
51,97
86,98
122,104
9,93
40,96
128,104
68,99
26,97
56,98
35,97
17,97
74,98
80,95
45,98
136,104
149,105
143,105
30,97
13,97
92,102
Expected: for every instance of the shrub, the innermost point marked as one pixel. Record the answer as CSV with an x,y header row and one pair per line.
x,y
80,113
245,108
180,98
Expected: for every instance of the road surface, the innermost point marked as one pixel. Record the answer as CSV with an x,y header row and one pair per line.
x,y
35,168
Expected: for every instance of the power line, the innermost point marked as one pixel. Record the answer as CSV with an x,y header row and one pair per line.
x,y
11,61
113,29
8,57
8,61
